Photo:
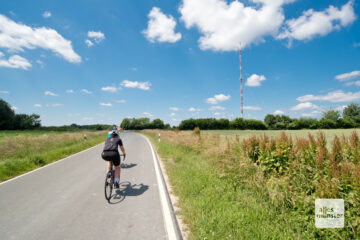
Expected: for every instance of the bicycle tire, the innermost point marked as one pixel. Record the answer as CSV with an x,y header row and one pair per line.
x,y
108,187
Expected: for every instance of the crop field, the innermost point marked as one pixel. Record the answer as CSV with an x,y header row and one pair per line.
x,y
242,134
262,187
22,151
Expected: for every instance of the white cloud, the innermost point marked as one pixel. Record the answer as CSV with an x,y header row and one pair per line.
x,y
304,105
109,89
86,91
217,114
87,118
348,76
14,61
46,14
313,23
335,96
148,114
174,108
17,36
172,114
136,84
4,92
217,99
121,101
278,112
14,108
161,28
89,43
69,91
356,83
96,36
252,108
105,104
37,105
214,108
54,105
255,80
49,93
192,109
223,25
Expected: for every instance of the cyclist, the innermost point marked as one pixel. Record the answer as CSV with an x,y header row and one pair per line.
x,y
111,154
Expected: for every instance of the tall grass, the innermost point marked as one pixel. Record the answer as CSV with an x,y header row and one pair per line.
x,y
24,152
286,174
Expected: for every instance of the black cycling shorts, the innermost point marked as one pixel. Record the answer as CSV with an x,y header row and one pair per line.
x,y
112,156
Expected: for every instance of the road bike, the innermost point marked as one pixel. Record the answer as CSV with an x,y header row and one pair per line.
x,y
110,181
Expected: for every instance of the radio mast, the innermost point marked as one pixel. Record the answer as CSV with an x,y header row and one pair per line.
x,y
241,86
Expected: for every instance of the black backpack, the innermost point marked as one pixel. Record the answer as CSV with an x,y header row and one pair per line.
x,y
111,144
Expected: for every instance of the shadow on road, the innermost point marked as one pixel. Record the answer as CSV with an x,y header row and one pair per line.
x,y
127,189
130,165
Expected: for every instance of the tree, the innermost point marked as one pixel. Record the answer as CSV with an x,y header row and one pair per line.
x,y
270,121
333,115
351,111
6,116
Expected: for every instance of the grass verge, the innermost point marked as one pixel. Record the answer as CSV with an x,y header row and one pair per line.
x,y
22,153
221,206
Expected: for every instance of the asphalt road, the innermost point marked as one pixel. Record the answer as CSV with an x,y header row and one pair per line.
x,y
66,200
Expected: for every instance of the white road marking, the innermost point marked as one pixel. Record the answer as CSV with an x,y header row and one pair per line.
x,y
165,204
53,163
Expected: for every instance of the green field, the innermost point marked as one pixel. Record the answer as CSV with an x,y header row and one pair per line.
x,y
22,151
242,134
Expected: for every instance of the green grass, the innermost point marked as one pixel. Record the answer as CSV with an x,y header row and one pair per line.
x,y
242,134
225,206
23,151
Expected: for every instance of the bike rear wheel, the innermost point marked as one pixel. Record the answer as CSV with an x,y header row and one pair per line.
x,y
108,186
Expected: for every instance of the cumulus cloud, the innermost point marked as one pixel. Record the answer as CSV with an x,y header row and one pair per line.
x,y
121,101
278,112
172,114
347,76
37,105
105,104
161,28
214,108
174,109
89,43
109,89
69,91
252,108
313,23
14,61
192,109
223,25
136,84
46,14
335,96
14,108
4,92
255,80
96,36
86,91
54,105
17,36
303,106
217,98
356,83
148,114
217,113
49,93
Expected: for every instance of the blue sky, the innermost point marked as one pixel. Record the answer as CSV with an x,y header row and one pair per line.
x,y
93,61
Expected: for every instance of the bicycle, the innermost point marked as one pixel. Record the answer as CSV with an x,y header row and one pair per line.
x,y
110,181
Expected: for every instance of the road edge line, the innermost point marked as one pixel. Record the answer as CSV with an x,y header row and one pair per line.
x,y
167,208
47,165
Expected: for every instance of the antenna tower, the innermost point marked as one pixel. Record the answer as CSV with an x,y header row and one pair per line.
x,y
241,86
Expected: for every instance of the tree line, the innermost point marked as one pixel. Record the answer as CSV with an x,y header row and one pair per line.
x,y
143,123
331,119
11,121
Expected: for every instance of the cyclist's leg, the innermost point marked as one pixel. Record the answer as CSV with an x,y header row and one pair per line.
x,y
109,165
116,162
